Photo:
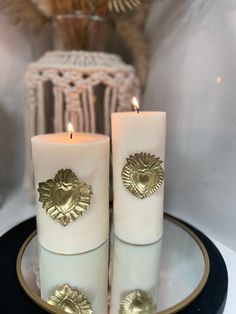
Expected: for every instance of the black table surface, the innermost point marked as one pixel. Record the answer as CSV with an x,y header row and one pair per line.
x,y
14,300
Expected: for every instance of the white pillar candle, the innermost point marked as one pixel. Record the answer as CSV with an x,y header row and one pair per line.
x,y
73,207
86,272
138,214
134,267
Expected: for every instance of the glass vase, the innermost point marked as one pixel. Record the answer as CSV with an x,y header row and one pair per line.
x,y
82,31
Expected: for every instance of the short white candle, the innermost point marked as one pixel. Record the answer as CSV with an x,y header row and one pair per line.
x,y
87,156
138,221
134,267
87,272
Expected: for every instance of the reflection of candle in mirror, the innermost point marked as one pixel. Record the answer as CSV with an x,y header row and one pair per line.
x,y
72,182
138,152
87,272
134,267
135,104
70,130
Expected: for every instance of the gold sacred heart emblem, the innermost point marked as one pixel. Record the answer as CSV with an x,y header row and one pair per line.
x,y
70,300
137,302
142,174
65,198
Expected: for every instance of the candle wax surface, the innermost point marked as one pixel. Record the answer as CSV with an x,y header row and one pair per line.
x,y
64,138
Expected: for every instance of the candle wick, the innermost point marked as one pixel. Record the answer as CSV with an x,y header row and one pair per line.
x,y
71,135
138,110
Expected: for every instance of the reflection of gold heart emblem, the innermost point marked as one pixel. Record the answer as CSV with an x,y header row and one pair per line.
x,y
137,302
70,300
65,198
143,174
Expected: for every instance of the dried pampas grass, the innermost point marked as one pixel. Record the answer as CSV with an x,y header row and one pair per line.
x,y
130,27
100,7
136,42
23,13
123,5
35,13
44,6
68,6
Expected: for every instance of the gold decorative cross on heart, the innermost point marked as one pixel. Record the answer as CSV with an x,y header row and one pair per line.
x,y
65,198
142,174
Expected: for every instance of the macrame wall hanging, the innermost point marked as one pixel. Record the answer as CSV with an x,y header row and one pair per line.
x,y
79,87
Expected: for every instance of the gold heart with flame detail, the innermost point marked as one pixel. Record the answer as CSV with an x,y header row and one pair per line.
x,y
144,181
142,174
137,302
70,300
65,197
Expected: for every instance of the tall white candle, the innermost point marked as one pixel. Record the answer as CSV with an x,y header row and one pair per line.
x,y
86,272
134,267
73,207
139,187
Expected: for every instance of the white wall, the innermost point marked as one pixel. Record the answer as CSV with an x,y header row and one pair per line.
x,y
194,42
17,49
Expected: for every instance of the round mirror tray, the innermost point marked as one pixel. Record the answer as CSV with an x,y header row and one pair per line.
x,y
163,277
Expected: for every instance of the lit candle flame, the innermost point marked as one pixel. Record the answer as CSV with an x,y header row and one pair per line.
x,y
219,79
135,104
70,130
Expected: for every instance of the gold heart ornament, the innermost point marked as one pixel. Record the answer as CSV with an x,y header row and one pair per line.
x,y
142,174
70,300
137,302
65,198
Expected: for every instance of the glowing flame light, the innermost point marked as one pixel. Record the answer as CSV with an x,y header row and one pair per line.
x,y
135,104
70,130
219,79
